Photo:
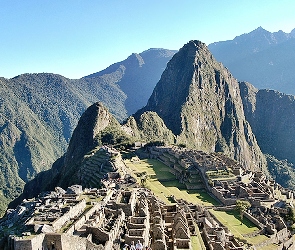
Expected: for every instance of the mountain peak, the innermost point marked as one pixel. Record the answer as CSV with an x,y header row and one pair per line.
x,y
157,53
259,29
199,100
93,120
195,44
241,47
136,59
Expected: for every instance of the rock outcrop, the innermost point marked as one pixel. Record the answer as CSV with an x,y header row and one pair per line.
x,y
199,100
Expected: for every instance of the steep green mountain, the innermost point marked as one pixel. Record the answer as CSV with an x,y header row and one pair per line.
x,y
84,163
40,111
282,171
137,75
271,115
199,100
263,58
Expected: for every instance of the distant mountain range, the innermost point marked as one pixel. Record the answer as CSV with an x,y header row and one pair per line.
x,y
265,59
137,75
194,100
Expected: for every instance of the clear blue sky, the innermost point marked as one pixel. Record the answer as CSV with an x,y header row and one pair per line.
x,y
75,38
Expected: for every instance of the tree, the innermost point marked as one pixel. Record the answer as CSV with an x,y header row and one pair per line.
x,y
242,206
291,214
143,179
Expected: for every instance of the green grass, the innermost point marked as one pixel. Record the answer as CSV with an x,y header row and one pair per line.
x,y
269,247
257,239
163,183
195,243
231,219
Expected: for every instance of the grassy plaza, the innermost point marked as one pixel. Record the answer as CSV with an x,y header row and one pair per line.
x,y
231,219
164,185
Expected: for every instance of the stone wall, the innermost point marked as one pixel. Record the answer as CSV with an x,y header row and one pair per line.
x,y
219,196
289,244
144,238
79,223
183,244
139,233
253,220
98,234
282,235
30,243
107,237
63,241
74,211
92,246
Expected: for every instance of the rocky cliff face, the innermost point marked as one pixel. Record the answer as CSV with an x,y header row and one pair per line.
x,y
199,100
271,115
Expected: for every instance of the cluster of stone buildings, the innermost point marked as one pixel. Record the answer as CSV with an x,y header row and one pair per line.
x,y
120,213
190,166
63,220
240,184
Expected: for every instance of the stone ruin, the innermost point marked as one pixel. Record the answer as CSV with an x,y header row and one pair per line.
x,y
116,215
60,219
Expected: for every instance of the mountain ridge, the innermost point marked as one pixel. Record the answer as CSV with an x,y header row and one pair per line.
x,y
141,70
75,95
261,57
54,103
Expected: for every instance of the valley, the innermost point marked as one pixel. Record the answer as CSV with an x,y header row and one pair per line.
x,y
166,147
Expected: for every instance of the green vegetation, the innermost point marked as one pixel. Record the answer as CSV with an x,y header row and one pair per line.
x,y
282,171
164,185
269,247
197,241
242,207
153,129
232,220
116,137
38,114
